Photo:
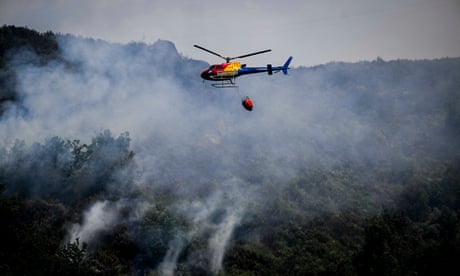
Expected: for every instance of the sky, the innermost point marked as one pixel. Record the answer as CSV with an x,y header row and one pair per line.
x,y
313,31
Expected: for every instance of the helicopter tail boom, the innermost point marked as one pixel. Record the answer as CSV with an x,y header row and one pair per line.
x,y
269,69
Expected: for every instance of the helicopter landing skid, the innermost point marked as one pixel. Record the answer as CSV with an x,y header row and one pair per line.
x,y
225,84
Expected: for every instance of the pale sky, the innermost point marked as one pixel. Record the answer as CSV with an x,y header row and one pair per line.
x,y
313,31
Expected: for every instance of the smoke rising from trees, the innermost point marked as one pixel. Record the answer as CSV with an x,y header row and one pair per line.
x,y
131,135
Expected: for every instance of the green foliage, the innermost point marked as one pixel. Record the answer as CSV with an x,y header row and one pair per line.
x,y
377,256
13,38
72,260
31,236
66,170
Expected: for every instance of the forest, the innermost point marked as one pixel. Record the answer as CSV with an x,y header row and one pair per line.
x,y
116,159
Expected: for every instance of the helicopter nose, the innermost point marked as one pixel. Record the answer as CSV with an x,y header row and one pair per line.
x,y
205,74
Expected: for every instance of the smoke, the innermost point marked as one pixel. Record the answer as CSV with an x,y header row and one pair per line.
x,y
99,217
215,218
169,264
194,150
104,215
219,241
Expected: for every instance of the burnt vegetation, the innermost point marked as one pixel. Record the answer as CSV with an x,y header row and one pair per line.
x,y
385,206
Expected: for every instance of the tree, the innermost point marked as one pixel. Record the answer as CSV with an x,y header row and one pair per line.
x,y
376,257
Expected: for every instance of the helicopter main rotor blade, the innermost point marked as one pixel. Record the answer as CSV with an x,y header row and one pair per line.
x,y
252,54
209,51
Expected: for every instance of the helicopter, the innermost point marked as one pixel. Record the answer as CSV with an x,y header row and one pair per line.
x,y
226,73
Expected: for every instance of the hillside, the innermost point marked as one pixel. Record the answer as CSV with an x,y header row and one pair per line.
x,y
116,159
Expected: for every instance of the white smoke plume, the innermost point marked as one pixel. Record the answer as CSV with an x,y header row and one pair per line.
x,y
102,216
219,241
169,264
99,217
214,217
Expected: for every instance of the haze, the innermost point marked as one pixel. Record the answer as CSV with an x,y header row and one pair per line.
x,y
314,32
